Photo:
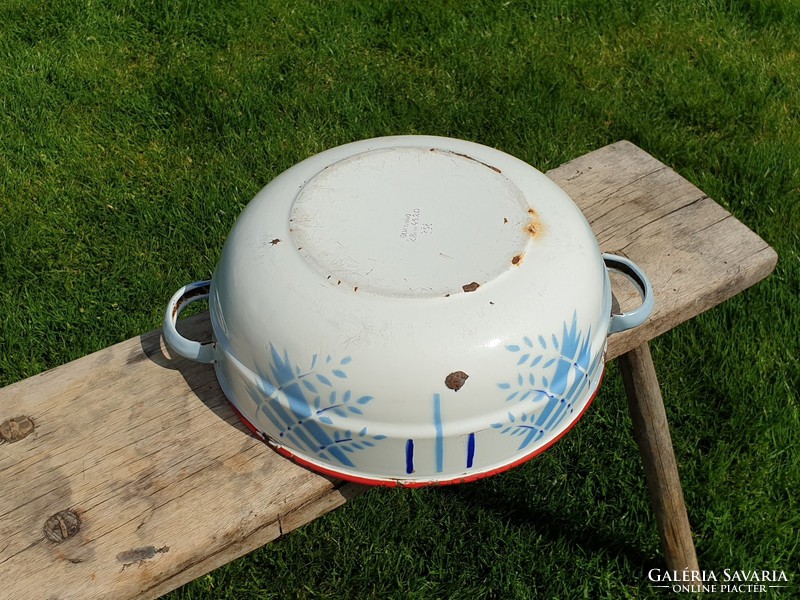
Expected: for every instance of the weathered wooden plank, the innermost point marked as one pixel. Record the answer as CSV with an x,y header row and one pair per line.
x,y
694,251
167,484
146,452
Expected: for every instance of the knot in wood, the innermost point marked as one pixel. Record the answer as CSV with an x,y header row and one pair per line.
x,y
61,526
14,429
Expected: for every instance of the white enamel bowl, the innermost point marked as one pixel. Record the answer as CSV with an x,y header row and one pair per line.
x,y
410,310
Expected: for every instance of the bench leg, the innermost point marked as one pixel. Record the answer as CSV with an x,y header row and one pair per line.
x,y
651,430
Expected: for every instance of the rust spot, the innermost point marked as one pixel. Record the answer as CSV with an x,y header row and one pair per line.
x,y
61,526
517,259
505,220
275,242
533,226
490,302
468,157
455,381
339,282
471,287
138,555
15,429
188,297
447,295
355,289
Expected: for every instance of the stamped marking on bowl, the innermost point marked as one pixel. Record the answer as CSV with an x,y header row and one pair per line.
x,y
414,222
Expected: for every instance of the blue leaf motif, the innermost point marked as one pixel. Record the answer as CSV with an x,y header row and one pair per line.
x,y
326,420
309,386
512,396
339,412
346,397
504,386
497,425
354,410
363,432
527,341
542,343
379,437
364,399
512,348
346,360
339,374
325,380
537,360
523,358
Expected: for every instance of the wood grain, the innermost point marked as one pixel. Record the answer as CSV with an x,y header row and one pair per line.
x,y
167,485
651,430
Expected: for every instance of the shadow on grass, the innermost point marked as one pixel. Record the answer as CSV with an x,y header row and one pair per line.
x,y
556,527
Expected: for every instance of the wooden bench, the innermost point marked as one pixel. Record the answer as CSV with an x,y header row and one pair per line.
x,y
126,474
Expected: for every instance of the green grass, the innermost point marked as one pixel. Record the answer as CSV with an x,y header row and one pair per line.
x,y
133,133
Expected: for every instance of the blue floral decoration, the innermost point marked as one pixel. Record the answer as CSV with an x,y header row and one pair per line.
x,y
300,401
552,374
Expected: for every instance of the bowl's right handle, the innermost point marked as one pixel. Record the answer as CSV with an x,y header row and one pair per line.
x,y
204,352
637,277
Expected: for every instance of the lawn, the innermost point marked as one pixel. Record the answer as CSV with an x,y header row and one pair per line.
x,y
133,133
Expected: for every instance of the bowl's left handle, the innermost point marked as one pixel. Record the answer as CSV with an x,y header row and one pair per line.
x,y
204,352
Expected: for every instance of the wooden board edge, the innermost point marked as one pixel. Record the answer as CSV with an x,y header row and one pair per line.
x,y
260,536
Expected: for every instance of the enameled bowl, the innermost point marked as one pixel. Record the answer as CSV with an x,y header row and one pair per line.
x,y
410,310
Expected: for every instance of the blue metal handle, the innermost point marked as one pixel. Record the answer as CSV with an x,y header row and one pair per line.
x,y
637,277
204,352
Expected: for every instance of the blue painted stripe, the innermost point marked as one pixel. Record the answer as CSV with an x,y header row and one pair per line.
x,y
273,419
562,405
326,443
551,404
275,405
410,456
534,435
437,423
470,450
